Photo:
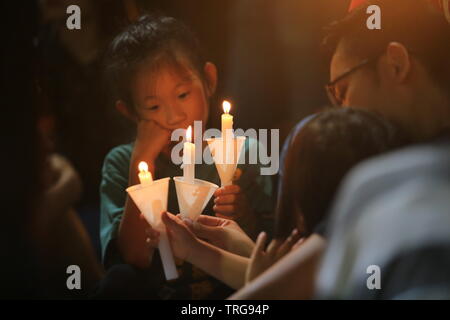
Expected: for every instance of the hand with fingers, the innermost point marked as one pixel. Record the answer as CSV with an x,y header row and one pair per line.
x,y
152,238
230,202
261,259
182,239
223,233
151,140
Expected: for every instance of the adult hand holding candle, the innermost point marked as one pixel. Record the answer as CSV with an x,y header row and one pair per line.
x,y
189,157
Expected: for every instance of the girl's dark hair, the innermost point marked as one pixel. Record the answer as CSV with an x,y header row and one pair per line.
x,y
320,155
152,38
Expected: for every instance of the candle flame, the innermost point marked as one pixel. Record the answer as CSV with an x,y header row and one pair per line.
x,y
189,134
226,106
143,167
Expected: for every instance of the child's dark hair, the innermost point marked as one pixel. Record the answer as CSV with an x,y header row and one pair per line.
x,y
154,39
318,158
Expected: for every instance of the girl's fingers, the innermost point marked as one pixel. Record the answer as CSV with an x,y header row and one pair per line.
x,y
273,247
227,209
226,199
288,244
256,264
298,243
209,221
285,247
234,188
259,246
225,217
187,222
152,243
151,233
168,220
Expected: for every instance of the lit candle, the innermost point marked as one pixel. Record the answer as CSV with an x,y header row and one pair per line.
x,y
227,133
145,177
227,118
189,157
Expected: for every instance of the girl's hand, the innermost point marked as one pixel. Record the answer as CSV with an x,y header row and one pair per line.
x,y
182,240
231,203
223,233
151,139
152,239
261,260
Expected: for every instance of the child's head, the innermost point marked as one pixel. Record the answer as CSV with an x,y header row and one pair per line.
x,y
156,71
319,157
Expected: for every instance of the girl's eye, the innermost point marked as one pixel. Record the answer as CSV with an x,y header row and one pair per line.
x,y
183,95
152,108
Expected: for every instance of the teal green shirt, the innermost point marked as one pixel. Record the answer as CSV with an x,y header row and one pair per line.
x,y
256,187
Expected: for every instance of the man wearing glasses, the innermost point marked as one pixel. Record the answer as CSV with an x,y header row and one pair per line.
x,y
403,73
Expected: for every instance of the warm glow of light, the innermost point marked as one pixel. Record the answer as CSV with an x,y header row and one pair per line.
x,y
189,134
143,167
226,106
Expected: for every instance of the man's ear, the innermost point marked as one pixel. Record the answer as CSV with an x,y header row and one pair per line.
x,y
125,111
399,61
210,71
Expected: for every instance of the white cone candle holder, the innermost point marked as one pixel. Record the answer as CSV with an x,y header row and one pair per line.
x,y
193,197
151,199
226,156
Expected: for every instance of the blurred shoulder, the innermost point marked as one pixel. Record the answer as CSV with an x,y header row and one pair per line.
x,y
400,165
386,173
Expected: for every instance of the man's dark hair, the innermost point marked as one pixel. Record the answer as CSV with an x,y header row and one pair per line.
x,y
414,23
154,39
318,158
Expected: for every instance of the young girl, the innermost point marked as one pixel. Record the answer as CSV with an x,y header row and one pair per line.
x,y
319,154
161,82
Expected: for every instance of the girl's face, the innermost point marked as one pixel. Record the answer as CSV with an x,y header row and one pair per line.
x,y
173,97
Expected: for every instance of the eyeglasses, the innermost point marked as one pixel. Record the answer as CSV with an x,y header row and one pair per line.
x,y
331,86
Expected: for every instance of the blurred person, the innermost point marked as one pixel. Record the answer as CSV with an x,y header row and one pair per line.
x,y
38,236
393,72
84,128
395,208
405,194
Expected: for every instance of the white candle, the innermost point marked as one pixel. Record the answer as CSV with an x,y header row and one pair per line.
x,y
227,118
189,157
227,134
145,177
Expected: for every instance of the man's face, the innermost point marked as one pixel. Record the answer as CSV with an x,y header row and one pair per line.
x,y
368,87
